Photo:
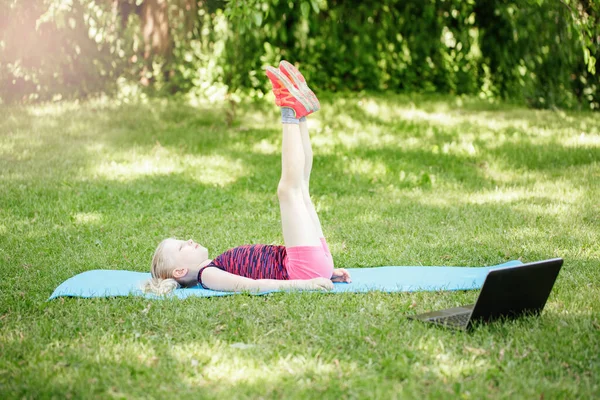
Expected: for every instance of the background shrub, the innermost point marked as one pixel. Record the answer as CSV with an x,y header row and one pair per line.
x,y
541,52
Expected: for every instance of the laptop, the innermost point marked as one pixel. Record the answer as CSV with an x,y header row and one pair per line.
x,y
507,293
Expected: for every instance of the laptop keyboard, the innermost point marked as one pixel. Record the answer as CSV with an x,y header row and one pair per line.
x,y
457,319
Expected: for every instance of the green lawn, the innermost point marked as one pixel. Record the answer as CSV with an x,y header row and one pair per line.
x,y
397,180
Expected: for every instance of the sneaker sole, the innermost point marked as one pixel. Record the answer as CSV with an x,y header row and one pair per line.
x,y
298,95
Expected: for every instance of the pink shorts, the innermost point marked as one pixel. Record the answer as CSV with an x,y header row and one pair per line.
x,y
308,262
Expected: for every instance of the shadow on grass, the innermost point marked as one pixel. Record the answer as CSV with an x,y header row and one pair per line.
x,y
550,157
115,181
116,225
86,188
411,358
131,132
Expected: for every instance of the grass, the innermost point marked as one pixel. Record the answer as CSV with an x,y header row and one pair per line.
x,y
398,180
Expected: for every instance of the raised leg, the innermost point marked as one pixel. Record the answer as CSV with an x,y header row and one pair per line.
x,y
296,220
308,162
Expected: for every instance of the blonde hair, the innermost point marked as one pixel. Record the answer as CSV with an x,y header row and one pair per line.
x,y
162,281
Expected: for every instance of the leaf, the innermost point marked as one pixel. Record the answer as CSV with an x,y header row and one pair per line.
x,y
305,9
315,5
592,65
258,18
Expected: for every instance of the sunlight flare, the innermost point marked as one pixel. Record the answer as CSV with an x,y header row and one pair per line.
x,y
448,365
209,364
216,170
87,218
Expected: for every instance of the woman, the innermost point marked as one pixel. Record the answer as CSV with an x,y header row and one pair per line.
x,y
304,263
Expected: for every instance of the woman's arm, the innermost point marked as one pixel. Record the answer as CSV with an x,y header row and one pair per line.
x,y
217,279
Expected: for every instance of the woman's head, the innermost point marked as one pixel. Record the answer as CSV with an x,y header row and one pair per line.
x,y
172,256
175,263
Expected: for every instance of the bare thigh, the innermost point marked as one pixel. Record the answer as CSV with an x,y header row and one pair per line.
x,y
296,221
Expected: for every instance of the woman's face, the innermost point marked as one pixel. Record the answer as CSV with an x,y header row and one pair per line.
x,y
185,253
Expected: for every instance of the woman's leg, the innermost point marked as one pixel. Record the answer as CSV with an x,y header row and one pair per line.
x,y
308,260
338,275
306,254
308,162
296,219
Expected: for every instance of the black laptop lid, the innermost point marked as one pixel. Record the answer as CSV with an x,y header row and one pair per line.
x,y
513,291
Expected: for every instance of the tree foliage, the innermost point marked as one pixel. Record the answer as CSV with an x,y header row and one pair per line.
x,y
539,51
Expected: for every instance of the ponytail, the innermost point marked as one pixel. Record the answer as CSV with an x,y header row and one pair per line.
x,y
162,281
159,286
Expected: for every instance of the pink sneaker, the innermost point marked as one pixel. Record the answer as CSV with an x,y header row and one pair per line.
x,y
298,79
288,95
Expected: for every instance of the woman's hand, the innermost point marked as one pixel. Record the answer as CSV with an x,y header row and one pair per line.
x,y
319,284
341,275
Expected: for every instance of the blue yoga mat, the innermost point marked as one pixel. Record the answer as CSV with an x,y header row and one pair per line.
x,y
108,283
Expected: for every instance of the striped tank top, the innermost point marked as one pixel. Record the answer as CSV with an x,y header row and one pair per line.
x,y
255,261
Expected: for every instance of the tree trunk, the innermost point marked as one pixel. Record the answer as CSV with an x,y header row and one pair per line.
x,y
155,29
